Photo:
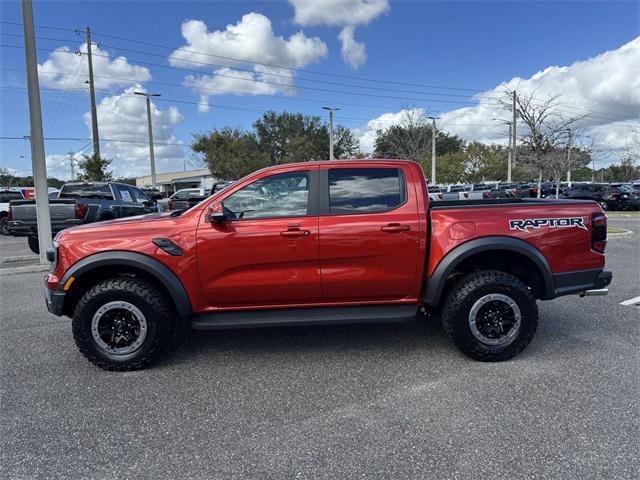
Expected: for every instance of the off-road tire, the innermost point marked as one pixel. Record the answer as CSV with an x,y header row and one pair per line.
x,y
460,300
152,303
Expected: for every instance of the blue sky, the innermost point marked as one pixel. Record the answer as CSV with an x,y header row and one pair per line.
x,y
466,45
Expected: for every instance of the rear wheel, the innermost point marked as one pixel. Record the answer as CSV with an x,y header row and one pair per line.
x,y
34,245
490,316
122,324
4,225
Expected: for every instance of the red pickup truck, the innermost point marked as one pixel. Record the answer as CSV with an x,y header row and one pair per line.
x,y
325,242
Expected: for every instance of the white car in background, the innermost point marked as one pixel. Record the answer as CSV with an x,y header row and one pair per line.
x,y
6,195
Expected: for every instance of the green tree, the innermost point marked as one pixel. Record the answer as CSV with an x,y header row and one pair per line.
x,y
345,143
279,135
94,169
450,167
230,153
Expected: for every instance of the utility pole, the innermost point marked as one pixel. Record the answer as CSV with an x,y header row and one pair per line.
x,y
515,147
569,158
92,95
331,110
510,156
150,128
73,173
433,149
36,136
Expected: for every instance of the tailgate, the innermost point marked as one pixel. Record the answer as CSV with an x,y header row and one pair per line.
x,y
25,210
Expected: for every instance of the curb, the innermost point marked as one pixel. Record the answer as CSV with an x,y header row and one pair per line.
x,y
25,269
18,258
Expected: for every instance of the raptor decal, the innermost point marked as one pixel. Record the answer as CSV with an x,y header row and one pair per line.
x,y
564,222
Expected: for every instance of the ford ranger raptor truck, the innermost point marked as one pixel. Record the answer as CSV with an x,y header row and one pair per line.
x,y
325,242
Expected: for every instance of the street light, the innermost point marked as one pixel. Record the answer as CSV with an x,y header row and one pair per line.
x,y
331,110
151,155
433,148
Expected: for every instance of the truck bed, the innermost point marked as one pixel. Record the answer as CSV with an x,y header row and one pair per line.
x,y
493,202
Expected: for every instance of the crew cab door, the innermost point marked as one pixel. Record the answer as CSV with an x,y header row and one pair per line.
x,y
369,233
265,252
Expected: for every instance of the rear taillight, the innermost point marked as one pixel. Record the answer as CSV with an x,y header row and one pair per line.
x,y
10,214
170,205
599,232
440,196
486,194
466,194
81,210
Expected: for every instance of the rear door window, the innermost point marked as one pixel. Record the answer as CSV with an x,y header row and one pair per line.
x,y
124,193
365,190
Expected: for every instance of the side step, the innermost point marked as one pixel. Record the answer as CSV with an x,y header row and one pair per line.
x,y
304,316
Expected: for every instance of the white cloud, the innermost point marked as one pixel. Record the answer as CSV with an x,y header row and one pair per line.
x,y
59,165
239,82
353,53
108,72
124,117
341,13
606,87
249,40
337,12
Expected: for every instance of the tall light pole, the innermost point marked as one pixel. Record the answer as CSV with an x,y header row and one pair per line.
x,y
150,128
331,110
433,149
36,136
92,96
569,158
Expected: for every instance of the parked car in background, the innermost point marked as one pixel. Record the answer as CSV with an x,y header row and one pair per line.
x,y
435,192
6,195
79,203
186,198
219,186
504,190
597,192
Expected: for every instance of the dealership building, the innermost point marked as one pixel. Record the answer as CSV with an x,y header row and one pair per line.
x,y
171,182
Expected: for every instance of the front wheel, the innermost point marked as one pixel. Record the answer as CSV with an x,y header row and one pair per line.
x,y
122,323
490,315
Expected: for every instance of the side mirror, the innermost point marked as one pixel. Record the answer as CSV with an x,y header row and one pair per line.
x,y
216,212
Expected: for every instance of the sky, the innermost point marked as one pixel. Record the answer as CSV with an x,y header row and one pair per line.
x,y
219,64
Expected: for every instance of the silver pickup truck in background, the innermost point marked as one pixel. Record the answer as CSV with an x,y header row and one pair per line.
x,y
79,203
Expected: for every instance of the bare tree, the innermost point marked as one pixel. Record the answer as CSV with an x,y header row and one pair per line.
x,y
547,132
409,139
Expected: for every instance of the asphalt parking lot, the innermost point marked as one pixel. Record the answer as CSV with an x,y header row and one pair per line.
x,y
368,401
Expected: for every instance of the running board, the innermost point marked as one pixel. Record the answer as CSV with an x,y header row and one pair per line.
x,y
304,316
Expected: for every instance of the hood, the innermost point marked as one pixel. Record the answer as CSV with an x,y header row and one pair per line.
x,y
141,219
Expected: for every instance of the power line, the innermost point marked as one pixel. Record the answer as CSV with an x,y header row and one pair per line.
x,y
242,61
497,100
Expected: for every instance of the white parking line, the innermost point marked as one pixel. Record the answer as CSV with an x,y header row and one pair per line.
x,y
633,302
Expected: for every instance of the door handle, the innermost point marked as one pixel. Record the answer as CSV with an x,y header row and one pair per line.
x,y
295,233
395,228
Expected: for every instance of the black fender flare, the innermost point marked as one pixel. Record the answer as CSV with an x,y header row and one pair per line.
x,y
435,284
158,270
